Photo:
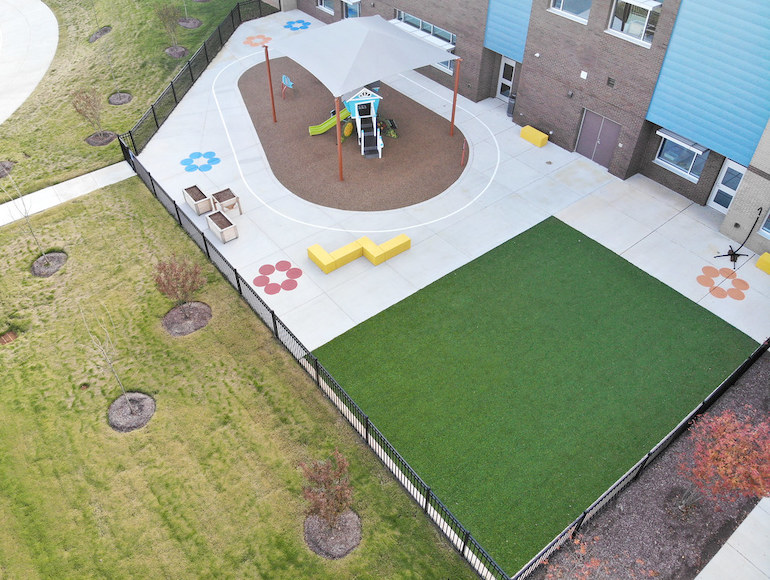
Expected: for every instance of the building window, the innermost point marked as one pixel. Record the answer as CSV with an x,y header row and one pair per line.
x,y
576,9
351,8
430,33
325,5
765,230
681,155
635,19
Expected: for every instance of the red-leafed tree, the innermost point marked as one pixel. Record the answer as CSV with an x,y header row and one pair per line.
x,y
178,279
328,491
730,456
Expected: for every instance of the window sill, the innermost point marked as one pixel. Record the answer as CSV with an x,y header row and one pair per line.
x,y
324,9
628,38
568,16
764,233
675,169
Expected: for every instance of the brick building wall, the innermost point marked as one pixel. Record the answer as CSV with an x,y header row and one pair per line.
x,y
467,20
566,48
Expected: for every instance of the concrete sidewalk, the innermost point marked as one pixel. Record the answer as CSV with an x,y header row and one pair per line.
x,y
29,35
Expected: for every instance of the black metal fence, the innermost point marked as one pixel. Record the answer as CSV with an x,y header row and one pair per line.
x,y
572,529
138,137
458,535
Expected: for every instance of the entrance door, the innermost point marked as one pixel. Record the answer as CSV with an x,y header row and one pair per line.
x,y
505,83
726,185
598,138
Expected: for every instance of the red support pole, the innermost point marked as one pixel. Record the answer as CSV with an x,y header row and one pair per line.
x,y
454,100
270,84
339,134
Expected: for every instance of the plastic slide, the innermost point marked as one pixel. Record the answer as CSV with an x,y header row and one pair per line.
x,y
328,124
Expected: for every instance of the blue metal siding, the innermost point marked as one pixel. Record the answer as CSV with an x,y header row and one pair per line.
x,y
507,23
714,86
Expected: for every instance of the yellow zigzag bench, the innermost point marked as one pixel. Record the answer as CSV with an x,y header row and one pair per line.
x,y
376,254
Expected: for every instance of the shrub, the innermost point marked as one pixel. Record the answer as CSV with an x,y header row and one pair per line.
x,y
329,491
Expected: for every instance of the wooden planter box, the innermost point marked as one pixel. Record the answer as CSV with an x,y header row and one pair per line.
x,y
222,226
198,200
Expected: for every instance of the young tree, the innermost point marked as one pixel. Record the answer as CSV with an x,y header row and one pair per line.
x,y
105,347
21,205
169,15
89,105
178,279
730,456
329,491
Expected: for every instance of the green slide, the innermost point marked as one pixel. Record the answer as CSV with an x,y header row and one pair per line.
x,y
328,124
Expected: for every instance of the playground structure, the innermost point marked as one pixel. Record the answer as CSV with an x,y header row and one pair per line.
x,y
361,106
376,254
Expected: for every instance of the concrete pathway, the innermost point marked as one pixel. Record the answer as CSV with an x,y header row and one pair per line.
x,y
29,34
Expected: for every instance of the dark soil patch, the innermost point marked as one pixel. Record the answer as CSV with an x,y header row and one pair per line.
x,y
99,33
101,138
187,318
48,264
337,542
190,23
404,175
8,337
643,530
176,51
119,98
123,420
5,168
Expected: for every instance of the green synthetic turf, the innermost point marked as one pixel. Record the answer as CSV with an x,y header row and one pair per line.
x,y
521,386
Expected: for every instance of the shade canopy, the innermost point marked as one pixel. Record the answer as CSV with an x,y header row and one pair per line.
x,y
354,52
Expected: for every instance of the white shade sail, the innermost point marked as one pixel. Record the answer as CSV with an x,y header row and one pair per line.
x,y
354,52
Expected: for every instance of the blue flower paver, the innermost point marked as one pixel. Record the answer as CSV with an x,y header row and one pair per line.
x,y
297,24
198,161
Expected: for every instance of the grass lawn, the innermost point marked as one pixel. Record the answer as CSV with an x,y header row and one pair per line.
x,y
211,487
45,136
521,386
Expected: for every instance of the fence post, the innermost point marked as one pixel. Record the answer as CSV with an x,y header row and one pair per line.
x,y
317,372
189,68
275,323
465,542
238,281
206,52
178,217
152,184
154,116
367,429
131,134
580,522
219,32
428,493
643,465
206,245
173,92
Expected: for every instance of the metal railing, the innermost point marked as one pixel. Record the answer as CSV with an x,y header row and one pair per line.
x,y
138,137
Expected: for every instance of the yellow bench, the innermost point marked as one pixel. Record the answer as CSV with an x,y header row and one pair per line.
x,y
364,246
537,138
764,263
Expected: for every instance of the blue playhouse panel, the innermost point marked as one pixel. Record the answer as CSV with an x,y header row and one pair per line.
x,y
714,86
507,23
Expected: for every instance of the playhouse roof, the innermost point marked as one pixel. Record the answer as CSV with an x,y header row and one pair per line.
x,y
363,95
354,52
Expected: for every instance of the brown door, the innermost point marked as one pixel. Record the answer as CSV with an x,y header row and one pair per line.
x,y
598,138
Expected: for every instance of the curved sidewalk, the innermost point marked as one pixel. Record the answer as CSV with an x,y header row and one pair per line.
x,y
29,35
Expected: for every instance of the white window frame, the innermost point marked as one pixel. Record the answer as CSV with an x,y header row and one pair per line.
x,y
431,33
698,150
325,5
764,229
566,14
347,4
649,6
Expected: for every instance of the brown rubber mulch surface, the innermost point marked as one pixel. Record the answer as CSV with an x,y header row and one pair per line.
x,y
418,165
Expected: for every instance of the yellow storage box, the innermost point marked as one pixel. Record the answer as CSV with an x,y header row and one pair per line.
x,y
537,138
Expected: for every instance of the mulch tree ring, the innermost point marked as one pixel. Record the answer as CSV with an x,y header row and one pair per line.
x,y
187,318
99,33
48,264
333,543
101,138
119,98
5,168
176,51
123,420
189,22
8,337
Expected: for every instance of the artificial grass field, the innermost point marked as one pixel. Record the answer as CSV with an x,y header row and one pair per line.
x,y
522,385
211,487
